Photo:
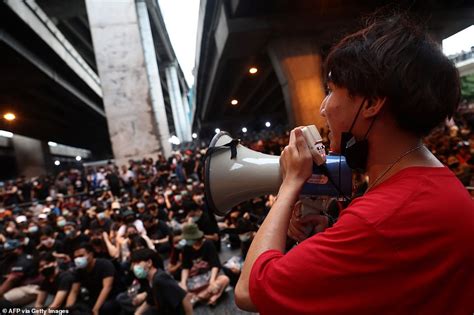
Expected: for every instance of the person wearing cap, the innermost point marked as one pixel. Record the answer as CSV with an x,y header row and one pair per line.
x,y
19,271
163,294
202,220
201,266
141,209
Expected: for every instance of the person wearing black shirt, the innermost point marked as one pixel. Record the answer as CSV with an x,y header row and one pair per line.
x,y
114,183
56,283
200,258
159,233
205,224
74,237
49,242
97,276
19,274
101,222
164,295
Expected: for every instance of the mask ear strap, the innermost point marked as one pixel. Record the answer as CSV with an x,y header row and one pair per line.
x,y
357,115
370,127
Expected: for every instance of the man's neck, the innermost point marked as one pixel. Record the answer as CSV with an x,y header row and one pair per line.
x,y
394,150
89,268
151,274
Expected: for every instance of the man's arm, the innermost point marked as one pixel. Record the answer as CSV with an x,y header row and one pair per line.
x,y
187,306
104,293
214,272
58,299
40,298
212,237
184,278
10,283
71,299
296,162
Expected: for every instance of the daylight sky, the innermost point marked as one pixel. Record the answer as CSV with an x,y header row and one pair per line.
x,y
181,18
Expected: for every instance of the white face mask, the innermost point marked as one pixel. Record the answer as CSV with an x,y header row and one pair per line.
x,y
245,237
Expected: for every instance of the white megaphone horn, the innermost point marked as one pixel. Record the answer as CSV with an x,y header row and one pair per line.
x,y
234,173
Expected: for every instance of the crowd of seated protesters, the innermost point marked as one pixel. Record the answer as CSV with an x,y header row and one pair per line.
x,y
139,238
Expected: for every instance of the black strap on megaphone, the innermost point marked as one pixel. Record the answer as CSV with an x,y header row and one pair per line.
x,y
232,145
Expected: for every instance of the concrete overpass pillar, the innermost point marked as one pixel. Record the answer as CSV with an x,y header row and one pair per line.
x,y
125,84
181,121
298,66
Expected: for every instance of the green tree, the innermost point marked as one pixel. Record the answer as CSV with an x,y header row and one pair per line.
x,y
467,87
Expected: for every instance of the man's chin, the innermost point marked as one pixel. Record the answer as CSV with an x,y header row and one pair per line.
x,y
334,150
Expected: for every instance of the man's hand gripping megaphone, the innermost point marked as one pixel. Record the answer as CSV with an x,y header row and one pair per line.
x,y
308,214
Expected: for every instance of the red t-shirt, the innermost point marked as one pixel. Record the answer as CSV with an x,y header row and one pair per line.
x,y
405,247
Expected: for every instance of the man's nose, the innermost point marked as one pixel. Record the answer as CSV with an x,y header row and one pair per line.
x,y
322,109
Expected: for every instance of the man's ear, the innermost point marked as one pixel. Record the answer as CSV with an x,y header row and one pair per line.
x,y
373,107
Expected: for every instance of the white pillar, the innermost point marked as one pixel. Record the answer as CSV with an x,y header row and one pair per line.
x,y
156,93
179,116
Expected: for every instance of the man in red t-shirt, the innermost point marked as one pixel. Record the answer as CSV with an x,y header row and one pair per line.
x,y
407,245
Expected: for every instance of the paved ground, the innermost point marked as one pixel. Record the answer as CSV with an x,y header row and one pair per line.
x,y
226,304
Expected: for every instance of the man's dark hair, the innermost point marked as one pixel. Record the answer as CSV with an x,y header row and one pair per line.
x,y
146,254
143,254
48,257
394,58
87,246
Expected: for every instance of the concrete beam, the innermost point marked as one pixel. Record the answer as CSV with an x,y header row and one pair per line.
x,y
56,77
40,23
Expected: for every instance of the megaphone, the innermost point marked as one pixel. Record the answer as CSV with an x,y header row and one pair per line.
x,y
234,173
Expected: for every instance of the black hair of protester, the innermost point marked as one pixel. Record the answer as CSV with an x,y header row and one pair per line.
x,y
48,257
87,246
393,58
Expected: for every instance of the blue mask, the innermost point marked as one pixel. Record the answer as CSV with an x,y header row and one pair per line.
x,y
80,262
140,272
61,223
181,244
33,229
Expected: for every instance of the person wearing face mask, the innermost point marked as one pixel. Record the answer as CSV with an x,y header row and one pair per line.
x,y
10,229
129,217
101,221
49,242
73,237
201,266
33,234
159,233
162,293
97,275
158,209
389,84
202,220
56,283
